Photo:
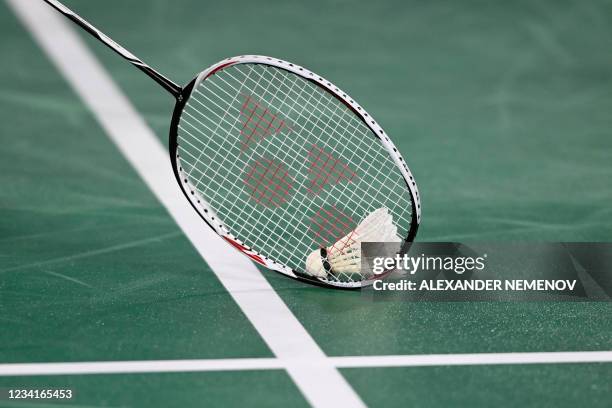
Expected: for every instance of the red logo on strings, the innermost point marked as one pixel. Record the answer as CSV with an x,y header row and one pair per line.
x,y
269,182
325,168
258,122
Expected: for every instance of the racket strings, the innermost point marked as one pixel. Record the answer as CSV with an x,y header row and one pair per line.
x,y
215,161
341,193
220,191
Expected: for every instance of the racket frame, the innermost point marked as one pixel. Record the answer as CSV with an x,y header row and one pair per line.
x,y
207,213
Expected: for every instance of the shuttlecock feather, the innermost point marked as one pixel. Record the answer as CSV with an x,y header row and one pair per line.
x,y
344,256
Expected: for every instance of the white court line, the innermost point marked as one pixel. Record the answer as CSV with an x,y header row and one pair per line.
x,y
245,364
154,366
555,357
279,328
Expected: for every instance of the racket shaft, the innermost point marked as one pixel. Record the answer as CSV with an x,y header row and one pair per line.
x,y
166,83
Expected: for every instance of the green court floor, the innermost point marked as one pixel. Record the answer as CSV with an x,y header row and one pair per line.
x,y
501,109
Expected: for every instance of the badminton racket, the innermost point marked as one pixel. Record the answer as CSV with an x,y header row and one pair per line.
x,y
284,165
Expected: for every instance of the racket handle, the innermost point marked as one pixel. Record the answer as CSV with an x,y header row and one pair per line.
x,y
166,83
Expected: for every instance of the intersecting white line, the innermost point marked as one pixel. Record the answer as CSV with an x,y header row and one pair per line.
x,y
245,364
321,383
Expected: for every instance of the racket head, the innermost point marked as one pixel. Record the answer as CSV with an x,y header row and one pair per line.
x,y
224,142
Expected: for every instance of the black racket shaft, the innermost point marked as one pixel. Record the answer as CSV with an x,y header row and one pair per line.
x,y
166,83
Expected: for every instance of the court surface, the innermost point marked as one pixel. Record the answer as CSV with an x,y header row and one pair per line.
x,y
501,109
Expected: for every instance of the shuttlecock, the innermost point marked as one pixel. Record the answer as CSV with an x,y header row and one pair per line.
x,y
344,256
